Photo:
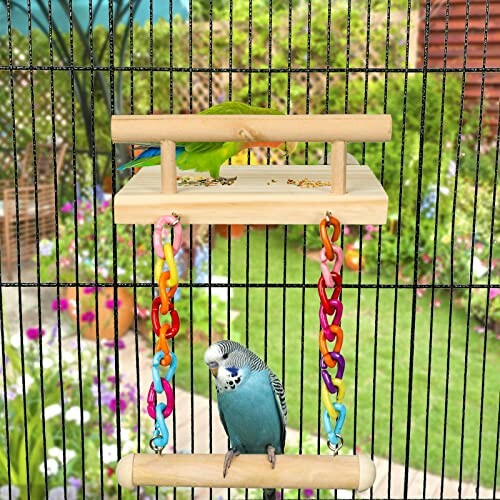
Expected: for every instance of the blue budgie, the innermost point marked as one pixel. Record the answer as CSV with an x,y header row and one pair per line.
x,y
251,402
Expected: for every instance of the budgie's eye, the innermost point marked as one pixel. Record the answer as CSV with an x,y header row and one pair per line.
x,y
225,356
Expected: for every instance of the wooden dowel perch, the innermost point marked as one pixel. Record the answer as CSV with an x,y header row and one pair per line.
x,y
247,471
137,129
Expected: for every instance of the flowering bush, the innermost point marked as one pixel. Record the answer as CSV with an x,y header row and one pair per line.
x,y
85,244
85,249
81,399
479,298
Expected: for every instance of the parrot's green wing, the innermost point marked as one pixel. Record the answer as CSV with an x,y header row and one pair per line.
x,y
209,160
238,108
200,147
209,156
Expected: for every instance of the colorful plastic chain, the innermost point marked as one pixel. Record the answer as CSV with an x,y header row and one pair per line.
x,y
330,331
163,304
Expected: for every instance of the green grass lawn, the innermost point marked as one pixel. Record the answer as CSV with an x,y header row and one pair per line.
x,y
292,329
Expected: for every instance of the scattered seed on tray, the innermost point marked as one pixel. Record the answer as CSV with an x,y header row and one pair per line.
x,y
307,183
205,181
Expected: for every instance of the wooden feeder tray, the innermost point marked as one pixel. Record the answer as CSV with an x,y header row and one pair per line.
x,y
294,194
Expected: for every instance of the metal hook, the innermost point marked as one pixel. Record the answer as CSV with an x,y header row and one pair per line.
x,y
157,449
335,448
177,219
327,217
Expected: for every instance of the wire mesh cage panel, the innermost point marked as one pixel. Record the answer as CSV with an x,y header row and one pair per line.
x,y
421,293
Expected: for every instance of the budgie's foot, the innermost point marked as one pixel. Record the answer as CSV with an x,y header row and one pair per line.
x,y
228,459
271,455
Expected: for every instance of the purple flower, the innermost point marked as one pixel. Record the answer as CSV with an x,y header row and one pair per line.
x,y
60,304
494,292
308,492
88,317
67,207
112,405
108,428
89,290
75,482
105,204
110,304
33,333
111,344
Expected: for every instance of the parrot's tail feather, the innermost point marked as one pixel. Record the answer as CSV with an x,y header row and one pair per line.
x,y
269,494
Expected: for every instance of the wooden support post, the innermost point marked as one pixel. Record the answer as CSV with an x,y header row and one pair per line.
x,y
339,166
247,471
168,168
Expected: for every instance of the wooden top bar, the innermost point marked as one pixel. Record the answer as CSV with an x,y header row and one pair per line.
x,y
152,129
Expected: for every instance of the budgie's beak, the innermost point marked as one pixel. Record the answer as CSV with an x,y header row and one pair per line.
x,y
288,147
214,368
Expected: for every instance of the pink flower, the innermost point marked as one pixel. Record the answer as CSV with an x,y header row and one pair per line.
x,y
88,317
308,493
426,258
60,304
347,230
64,262
370,228
437,303
142,312
367,237
420,292
34,333
494,292
89,290
110,304
105,204
67,207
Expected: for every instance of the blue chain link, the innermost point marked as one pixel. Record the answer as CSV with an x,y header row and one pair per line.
x,y
160,434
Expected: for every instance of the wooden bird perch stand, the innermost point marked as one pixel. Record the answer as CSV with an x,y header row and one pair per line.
x,y
261,194
354,472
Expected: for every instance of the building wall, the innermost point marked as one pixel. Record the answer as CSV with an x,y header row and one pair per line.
x,y
475,46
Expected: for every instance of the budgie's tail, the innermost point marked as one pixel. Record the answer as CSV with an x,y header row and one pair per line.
x,y
269,494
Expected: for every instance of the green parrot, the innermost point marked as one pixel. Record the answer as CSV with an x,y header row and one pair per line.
x,y
210,156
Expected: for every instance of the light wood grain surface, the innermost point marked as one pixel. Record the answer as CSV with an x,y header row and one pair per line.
x,y
153,129
261,195
247,471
